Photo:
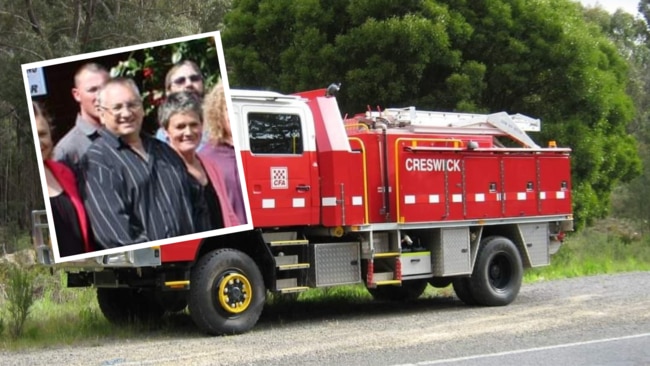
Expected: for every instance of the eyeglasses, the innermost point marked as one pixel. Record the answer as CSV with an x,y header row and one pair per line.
x,y
181,80
132,106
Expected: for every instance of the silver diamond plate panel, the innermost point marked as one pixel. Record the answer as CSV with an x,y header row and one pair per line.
x,y
451,254
536,242
336,264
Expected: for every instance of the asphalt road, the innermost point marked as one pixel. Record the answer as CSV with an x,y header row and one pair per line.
x,y
600,320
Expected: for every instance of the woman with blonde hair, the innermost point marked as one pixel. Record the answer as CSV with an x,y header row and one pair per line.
x,y
219,147
69,215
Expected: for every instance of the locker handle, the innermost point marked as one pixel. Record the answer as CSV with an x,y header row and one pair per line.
x,y
415,260
303,188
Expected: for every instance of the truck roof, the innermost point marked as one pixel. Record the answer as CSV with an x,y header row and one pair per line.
x,y
262,95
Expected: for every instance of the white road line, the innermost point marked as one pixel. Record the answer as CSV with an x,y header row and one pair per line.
x,y
527,350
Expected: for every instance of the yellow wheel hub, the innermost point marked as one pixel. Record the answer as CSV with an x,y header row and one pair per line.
x,y
235,293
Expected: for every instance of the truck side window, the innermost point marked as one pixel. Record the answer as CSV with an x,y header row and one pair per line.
x,y
273,133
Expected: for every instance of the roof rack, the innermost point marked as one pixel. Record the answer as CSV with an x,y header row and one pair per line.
x,y
498,124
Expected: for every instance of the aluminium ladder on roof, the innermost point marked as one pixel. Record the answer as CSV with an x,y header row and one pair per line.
x,y
499,123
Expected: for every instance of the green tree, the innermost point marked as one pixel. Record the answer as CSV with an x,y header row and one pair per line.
x,y
632,38
539,58
383,51
544,60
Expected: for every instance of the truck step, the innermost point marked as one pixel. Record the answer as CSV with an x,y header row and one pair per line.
x,y
290,290
289,262
388,282
287,267
280,243
386,255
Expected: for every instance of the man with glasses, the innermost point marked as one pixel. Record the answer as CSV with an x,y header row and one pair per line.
x,y
88,79
183,76
136,188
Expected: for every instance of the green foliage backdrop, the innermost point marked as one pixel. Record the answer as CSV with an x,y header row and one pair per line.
x,y
539,58
582,71
149,67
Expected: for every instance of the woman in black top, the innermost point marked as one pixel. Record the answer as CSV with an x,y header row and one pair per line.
x,y
69,215
181,118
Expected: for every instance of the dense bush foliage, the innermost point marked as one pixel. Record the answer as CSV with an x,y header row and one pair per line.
x,y
538,58
582,71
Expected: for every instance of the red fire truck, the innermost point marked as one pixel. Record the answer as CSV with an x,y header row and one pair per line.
x,y
394,199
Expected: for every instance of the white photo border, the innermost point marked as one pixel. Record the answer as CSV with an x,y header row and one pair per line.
x,y
178,239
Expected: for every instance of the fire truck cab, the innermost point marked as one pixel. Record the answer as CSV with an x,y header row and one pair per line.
x,y
393,199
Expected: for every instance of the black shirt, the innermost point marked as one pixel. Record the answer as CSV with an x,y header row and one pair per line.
x,y
132,200
66,224
214,207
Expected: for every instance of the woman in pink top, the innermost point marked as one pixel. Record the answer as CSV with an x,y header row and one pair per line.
x,y
181,118
219,147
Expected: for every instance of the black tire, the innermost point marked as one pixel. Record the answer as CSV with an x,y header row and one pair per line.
x,y
463,290
410,290
227,292
172,301
440,282
498,272
125,305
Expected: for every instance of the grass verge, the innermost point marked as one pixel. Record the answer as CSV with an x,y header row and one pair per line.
x,y
601,250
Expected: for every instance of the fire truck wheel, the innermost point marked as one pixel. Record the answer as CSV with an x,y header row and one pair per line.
x,y
440,282
227,292
125,305
498,272
410,290
463,291
172,301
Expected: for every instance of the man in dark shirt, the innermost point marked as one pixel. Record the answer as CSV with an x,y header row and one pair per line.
x,y
88,80
136,188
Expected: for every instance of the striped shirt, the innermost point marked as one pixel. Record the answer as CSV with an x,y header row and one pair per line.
x,y
132,200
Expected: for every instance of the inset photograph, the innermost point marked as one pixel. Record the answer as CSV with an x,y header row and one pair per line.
x,y
135,147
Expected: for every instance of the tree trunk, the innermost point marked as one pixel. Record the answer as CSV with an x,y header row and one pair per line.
x,y
7,179
88,21
76,20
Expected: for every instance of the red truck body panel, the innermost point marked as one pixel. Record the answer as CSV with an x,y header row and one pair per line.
x,y
429,177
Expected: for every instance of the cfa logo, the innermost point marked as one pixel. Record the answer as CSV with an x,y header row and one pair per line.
x,y
279,178
432,165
